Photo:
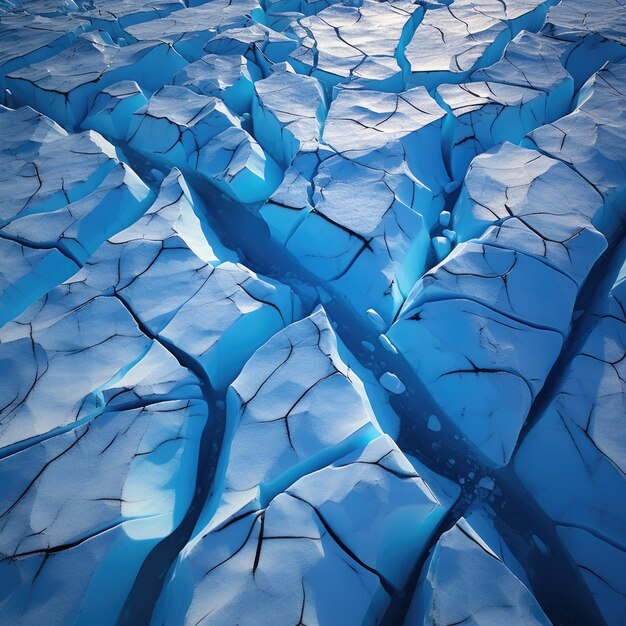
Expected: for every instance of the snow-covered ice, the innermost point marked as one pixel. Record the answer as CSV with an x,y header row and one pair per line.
x,y
465,580
312,312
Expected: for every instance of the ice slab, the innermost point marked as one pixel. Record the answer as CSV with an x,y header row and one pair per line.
x,y
306,7
527,266
466,581
533,61
500,279
78,228
29,129
63,86
513,197
66,193
483,114
356,44
588,34
315,540
394,131
28,39
288,113
27,273
592,138
46,173
80,511
483,368
227,77
112,109
235,163
296,406
176,124
258,43
582,488
189,30
35,346
217,315
113,16
454,39
361,237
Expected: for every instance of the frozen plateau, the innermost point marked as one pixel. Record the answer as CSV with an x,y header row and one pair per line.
x,y
312,312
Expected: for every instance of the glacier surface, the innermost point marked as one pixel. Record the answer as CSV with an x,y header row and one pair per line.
x,y
313,312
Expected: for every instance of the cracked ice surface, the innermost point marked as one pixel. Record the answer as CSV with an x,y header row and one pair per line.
x,y
312,312
356,44
307,471
584,421
188,30
489,592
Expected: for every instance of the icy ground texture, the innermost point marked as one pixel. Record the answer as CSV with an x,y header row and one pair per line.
x,y
313,312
